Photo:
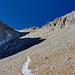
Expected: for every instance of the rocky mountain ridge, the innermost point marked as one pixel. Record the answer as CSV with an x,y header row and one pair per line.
x,y
7,33
62,22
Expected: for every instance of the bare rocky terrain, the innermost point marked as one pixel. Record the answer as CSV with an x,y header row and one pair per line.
x,y
50,48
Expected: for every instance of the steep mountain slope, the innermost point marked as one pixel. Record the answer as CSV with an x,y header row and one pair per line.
x,y
7,33
54,55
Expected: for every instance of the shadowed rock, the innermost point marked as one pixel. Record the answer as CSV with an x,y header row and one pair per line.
x,y
17,45
7,33
11,41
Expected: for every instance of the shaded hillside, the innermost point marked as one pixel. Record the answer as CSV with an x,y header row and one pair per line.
x,y
7,33
11,41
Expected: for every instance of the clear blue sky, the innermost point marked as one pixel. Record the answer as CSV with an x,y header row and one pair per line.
x,y
27,13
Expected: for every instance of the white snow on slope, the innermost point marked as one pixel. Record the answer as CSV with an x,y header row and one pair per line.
x,y
25,69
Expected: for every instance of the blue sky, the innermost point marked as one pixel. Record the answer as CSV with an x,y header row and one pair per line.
x,y
21,14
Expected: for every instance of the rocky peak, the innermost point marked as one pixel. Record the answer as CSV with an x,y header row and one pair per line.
x,y
2,25
61,22
6,33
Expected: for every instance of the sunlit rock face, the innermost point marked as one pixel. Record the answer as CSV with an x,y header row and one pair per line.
x,y
6,33
62,22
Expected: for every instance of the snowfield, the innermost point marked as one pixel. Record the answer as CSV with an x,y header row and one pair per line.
x,y
25,69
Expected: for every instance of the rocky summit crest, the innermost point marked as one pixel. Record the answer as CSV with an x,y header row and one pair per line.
x,y
62,22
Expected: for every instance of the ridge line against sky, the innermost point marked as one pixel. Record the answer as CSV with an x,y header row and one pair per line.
x,y
21,14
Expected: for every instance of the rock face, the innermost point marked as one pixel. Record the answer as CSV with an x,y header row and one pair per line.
x,y
7,33
50,48
63,21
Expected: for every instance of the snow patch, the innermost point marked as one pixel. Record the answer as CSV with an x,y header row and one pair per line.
x,y
25,69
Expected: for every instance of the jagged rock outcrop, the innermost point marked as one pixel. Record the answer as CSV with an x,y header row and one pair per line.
x,y
62,22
